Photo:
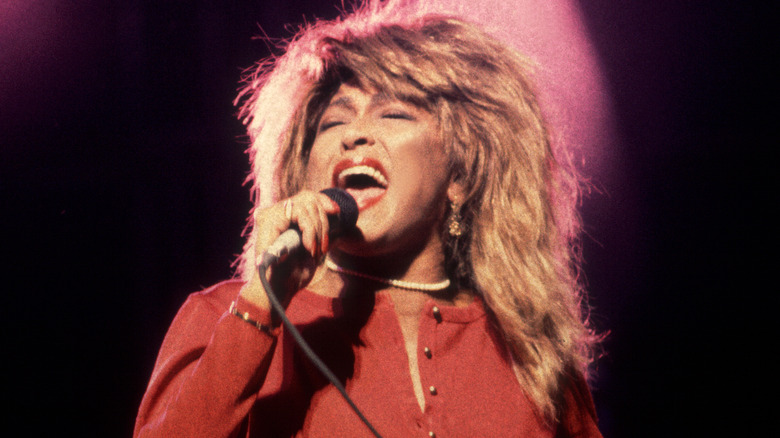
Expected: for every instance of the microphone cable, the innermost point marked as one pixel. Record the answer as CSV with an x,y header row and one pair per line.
x,y
267,261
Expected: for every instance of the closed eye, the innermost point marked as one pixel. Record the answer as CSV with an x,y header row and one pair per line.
x,y
398,115
329,124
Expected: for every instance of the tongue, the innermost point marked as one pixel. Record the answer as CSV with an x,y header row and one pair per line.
x,y
365,197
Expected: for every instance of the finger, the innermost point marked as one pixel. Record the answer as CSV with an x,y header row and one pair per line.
x,y
308,210
325,207
323,218
328,207
320,219
297,210
288,206
310,227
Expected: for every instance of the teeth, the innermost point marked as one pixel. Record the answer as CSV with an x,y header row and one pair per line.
x,y
363,170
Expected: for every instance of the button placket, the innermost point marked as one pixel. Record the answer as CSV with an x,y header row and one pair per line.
x,y
436,314
432,390
428,372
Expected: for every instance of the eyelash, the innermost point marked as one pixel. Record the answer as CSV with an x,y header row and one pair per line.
x,y
398,115
391,115
328,125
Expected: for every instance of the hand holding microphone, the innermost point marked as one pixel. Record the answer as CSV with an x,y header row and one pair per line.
x,y
293,235
335,224
326,215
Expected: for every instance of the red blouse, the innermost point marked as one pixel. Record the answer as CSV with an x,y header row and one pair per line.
x,y
217,376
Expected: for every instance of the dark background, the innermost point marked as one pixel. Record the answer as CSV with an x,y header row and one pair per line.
x,y
121,170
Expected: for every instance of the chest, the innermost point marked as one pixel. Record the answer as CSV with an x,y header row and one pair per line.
x,y
463,374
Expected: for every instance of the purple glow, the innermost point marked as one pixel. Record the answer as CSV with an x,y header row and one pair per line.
x,y
572,92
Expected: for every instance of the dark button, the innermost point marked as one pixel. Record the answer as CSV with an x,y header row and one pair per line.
x,y
431,434
432,389
427,352
437,313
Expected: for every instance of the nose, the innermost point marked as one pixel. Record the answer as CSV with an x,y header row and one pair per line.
x,y
357,135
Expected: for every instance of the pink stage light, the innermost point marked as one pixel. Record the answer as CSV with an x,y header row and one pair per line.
x,y
572,88
550,33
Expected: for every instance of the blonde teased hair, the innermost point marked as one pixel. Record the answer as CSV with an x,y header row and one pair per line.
x,y
520,249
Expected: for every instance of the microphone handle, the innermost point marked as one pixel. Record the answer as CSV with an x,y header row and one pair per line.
x,y
290,240
286,243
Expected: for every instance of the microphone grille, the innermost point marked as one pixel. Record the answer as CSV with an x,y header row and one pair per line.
x,y
349,208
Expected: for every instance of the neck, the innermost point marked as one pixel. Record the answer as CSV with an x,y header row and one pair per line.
x,y
396,283
329,282
422,268
419,264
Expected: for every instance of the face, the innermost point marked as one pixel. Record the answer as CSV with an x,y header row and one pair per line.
x,y
388,155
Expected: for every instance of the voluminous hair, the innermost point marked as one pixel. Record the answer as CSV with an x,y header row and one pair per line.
x,y
520,249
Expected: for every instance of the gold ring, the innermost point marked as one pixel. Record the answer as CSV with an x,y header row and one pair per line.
x,y
288,209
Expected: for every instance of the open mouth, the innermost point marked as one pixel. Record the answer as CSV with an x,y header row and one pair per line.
x,y
364,179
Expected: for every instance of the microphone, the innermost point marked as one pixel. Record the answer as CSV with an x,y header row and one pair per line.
x,y
290,240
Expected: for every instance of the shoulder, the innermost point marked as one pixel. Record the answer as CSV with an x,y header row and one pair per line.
x,y
218,296
209,303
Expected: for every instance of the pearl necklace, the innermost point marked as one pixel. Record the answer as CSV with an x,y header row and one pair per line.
x,y
401,284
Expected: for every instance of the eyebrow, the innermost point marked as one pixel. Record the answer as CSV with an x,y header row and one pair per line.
x,y
343,102
347,103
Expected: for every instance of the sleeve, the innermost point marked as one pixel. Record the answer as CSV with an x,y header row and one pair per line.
x,y
208,372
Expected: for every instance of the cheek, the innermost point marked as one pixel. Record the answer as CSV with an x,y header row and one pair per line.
x,y
314,178
316,169
431,160
425,174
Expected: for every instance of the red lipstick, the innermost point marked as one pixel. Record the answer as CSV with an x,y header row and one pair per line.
x,y
365,195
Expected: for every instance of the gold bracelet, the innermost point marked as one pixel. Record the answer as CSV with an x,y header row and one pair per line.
x,y
245,317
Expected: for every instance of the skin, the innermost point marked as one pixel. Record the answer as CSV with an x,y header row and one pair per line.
x,y
399,236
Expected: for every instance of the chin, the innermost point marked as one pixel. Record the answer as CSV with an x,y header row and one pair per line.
x,y
353,249
367,242
357,244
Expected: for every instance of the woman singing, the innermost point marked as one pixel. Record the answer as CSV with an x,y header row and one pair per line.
x,y
453,308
